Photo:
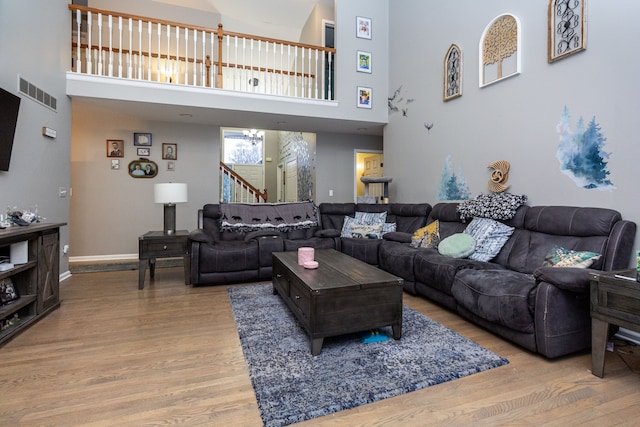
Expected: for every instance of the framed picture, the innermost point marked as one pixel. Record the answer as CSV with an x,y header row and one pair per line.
x,y
363,27
143,139
8,292
500,50
171,165
364,62
144,152
115,148
115,164
143,168
452,86
567,28
169,151
364,97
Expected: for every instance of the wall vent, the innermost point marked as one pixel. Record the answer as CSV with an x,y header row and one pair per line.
x,y
37,94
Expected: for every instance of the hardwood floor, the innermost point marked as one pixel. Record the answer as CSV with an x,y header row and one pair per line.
x,y
170,355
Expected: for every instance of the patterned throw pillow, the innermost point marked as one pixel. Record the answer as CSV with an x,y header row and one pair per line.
x,y
363,231
490,236
562,257
346,226
426,237
388,227
459,245
371,218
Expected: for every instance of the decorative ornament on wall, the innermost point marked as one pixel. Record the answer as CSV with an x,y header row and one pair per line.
x,y
499,176
398,102
428,126
581,153
452,87
567,28
452,186
500,50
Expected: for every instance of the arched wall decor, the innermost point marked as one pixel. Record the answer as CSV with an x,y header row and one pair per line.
x,y
500,50
567,28
452,87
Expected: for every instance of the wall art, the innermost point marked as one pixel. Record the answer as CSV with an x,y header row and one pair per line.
x,y
143,168
115,164
144,152
115,148
452,87
399,102
364,62
171,165
567,28
143,139
363,27
169,151
364,97
500,50
452,186
581,153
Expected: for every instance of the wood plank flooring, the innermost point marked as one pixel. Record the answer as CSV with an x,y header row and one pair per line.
x,y
113,355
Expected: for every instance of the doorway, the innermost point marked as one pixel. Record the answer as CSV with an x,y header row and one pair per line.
x,y
368,163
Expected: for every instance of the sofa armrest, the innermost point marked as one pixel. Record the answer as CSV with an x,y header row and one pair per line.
x,y
397,236
199,235
329,232
566,278
261,233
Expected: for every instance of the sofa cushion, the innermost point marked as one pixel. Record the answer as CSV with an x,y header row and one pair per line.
x,y
562,257
503,297
459,245
229,256
490,236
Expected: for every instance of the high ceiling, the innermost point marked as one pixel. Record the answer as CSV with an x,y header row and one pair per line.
x,y
282,19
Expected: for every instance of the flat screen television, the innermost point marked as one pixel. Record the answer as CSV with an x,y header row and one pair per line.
x,y
9,106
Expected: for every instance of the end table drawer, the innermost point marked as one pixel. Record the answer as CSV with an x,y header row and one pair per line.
x,y
157,248
300,297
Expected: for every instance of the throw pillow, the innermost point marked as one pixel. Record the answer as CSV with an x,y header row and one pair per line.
x,y
361,231
371,218
388,227
346,226
490,236
459,245
419,235
431,238
562,257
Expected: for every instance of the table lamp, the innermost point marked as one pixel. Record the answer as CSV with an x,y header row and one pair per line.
x,y
170,193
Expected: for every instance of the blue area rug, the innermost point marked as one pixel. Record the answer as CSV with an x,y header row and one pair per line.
x,y
291,385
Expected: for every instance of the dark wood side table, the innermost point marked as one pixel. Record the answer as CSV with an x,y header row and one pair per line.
x,y
614,300
157,244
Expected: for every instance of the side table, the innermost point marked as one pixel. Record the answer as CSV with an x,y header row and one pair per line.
x,y
615,299
157,244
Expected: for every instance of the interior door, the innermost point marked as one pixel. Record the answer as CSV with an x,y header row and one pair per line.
x,y
291,181
373,167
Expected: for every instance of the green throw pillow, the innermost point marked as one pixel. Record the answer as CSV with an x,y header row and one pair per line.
x,y
459,245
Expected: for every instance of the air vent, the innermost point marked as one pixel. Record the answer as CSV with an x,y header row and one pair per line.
x,y
37,94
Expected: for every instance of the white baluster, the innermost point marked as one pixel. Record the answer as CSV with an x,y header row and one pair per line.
x,y
235,70
316,79
289,75
260,62
89,49
78,54
309,91
130,69
251,63
178,63
150,60
195,56
120,47
329,91
186,56
266,69
203,68
295,71
281,69
302,74
140,49
243,75
110,46
168,60
159,68
100,56
212,74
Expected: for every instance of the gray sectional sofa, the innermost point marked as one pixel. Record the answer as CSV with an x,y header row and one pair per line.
x,y
541,308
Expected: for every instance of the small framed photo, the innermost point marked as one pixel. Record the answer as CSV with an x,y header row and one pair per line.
x,y
364,62
8,292
142,139
364,97
171,165
169,151
115,148
143,168
363,27
144,152
115,164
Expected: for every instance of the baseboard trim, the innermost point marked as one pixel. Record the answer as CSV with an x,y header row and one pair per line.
x,y
94,258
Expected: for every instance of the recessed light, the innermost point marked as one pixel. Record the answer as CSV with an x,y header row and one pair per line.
x,y
187,115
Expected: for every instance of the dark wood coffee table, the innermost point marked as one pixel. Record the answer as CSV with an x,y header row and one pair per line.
x,y
343,295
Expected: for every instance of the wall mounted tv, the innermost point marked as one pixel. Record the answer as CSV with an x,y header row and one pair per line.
x,y
9,106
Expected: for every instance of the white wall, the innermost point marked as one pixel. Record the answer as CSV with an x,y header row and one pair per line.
x,y
39,165
514,119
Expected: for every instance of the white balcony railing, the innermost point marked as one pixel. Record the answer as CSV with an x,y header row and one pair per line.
x,y
107,43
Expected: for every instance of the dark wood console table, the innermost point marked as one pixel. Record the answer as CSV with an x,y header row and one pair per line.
x,y
614,300
158,244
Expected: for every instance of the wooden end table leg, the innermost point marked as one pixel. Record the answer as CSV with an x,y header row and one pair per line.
x,y
142,271
152,267
599,333
316,346
397,330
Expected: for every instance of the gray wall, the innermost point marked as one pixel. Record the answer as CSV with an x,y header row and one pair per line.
x,y
514,119
39,165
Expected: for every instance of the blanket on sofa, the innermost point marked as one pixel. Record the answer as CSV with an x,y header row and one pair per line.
x,y
500,206
284,217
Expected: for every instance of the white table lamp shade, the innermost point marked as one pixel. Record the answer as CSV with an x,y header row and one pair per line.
x,y
171,192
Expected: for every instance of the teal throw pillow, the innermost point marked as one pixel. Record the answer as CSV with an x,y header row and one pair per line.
x,y
562,257
459,245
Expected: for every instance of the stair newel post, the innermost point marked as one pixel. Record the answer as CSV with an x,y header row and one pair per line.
x,y
219,74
